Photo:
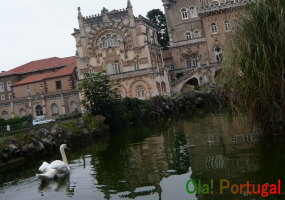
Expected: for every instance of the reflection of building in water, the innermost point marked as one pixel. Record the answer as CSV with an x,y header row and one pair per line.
x,y
225,150
143,165
206,146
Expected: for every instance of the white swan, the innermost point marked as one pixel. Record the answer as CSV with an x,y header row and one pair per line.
x,y
56,167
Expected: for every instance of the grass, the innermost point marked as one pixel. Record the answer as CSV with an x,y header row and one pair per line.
x,y
254,65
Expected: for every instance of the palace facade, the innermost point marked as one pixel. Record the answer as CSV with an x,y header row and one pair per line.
x,y
197,31
126,47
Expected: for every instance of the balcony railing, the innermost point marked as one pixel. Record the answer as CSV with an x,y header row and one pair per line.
x,y
129,74
188,72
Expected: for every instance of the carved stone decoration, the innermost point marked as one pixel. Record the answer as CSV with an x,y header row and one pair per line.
x,y
110,43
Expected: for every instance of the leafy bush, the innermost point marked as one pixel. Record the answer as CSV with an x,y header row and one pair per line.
x,y
100,97
131,109
16,123
91,122
72,126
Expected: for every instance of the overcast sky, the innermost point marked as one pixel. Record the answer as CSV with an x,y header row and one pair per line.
x,y
38,29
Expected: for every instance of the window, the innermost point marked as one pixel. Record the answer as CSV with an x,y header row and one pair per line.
x,y
91,71
136,65
214,28
248,138
117,67
109,41
234,139
74,108
4,115
109,68
215,3
2,89
227,25
193,62
58,85
9,83
140,93
54,109
163,87
2,97
158,88
22,112
10,96
39,111
218,54
193,12
184,13
197,34
188,35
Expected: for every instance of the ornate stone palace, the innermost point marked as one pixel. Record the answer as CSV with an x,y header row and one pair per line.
x,y
126,47
197,31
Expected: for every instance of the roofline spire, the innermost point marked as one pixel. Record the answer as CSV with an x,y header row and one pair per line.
x,y
129,4
79,12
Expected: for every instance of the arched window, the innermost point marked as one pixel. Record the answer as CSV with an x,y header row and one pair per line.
x,y
227,25
140,93
117,67
163,87
115,40
39,111
197,33
218,54
193,12
109,68
54,109
109,41
158,88
4,115
22,112
192,62
136,65
215,3
91,71
184,13
214,28
73,106
188,36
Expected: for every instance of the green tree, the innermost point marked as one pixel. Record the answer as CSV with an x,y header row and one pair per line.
x,y
100,97
254,64
157,17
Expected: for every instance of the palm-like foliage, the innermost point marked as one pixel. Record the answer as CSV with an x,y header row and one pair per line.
x,y
254,64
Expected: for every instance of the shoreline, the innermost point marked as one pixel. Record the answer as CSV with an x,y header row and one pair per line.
x,y
77,131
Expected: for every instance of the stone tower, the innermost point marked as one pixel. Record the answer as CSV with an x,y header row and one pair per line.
x,y
126,47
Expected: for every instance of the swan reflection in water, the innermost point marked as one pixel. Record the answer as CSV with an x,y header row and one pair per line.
x,y
57,184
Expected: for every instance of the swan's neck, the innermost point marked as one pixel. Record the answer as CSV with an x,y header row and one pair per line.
x,y
62,152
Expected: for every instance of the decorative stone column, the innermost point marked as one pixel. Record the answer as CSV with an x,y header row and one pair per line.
x,y
12,109
62,104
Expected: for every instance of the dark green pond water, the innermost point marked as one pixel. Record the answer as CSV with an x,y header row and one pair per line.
x,y
156,160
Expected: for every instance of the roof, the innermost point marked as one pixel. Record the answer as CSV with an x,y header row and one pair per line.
x,y
39,65
69,69
166,54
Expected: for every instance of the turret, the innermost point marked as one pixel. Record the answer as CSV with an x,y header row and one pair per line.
x,y
80,18
131,14
130,8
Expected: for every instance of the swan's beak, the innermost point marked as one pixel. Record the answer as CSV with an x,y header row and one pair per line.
x,y
67,148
